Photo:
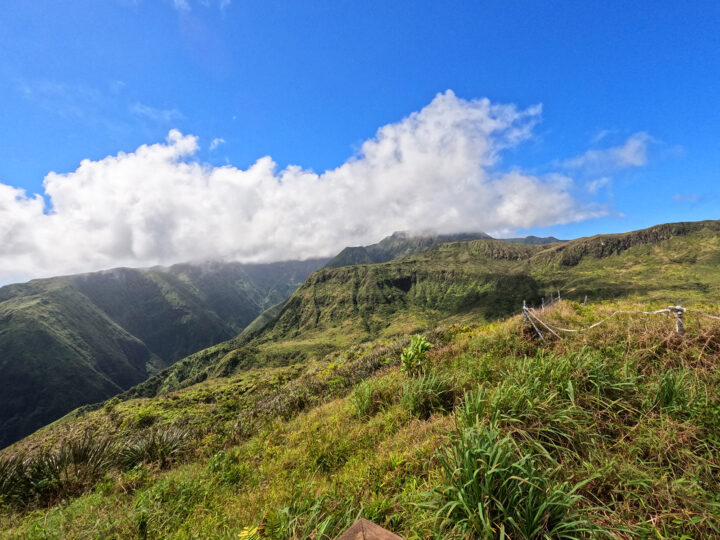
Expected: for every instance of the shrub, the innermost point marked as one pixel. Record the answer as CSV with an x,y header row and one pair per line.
x,y
162,446
110,405
71,468
13,480
413,357
427,394
493,490
144,417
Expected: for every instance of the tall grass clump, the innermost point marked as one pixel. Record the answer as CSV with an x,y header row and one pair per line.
x,y
412,358
673,391
474,406
494,489
161,446
427,394
52,474
228,468
13,480
318,518
161,508
371,396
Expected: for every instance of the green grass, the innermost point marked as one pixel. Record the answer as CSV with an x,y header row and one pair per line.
x,y
612,432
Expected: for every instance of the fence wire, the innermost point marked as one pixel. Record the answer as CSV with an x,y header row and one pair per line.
x,y
531,315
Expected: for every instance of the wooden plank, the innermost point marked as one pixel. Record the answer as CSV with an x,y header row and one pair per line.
x,y
363,529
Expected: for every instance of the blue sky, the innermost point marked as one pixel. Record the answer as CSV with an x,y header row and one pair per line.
x,y
307,83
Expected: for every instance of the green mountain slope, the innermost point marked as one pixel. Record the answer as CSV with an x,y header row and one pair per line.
x,y
610,433
400,245
80,339
485,279
396,246
534,240
301,425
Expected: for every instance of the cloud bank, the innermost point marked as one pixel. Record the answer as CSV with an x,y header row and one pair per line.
x,y
436,169
631,154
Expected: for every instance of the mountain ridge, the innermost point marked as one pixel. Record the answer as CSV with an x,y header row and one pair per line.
x,y
403,244
78,339
484,277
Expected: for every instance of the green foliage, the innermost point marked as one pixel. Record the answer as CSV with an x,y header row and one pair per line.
x,y
494,489
618,426
474,407
460,281
397,246
145,417
77,464
412,358
108,331
428,393
673,391
371,396
110,404
229,468
308,518
162,446
167,503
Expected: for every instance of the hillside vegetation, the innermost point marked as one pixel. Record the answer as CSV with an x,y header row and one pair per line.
x,y
479,279
408,393
612,432
401,244
80,339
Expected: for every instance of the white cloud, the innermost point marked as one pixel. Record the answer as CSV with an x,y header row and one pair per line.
x,y
631,154
601,134
686,197
216,142
181,5
164,116
184,5
435,169
68,100
593,186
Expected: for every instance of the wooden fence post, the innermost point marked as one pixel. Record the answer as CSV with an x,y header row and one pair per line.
x,y
529,318
678,311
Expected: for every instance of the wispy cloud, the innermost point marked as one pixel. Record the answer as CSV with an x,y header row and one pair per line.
x,y
436,169
593,186
69,100
184,5
216,142
601,134
686,197
633,153
164,116
181,5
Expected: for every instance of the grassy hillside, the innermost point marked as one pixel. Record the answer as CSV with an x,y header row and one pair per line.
x,y
295,428
396,246
610,432
58,351
80,339
480,279
400,245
